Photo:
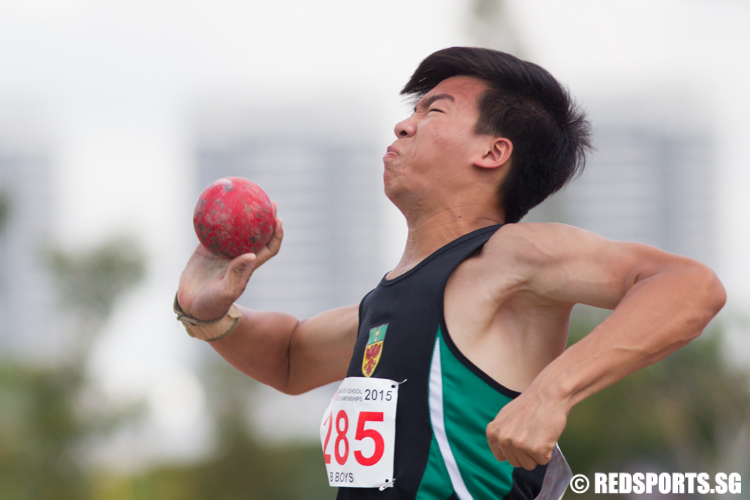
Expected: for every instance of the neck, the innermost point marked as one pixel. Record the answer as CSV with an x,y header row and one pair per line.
x,y
428,233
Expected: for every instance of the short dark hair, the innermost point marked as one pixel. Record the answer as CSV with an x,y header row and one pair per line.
x,y
525,104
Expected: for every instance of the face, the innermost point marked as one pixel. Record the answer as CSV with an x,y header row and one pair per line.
x,y
436,145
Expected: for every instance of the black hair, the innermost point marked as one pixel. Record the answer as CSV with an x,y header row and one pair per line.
x,y
524,104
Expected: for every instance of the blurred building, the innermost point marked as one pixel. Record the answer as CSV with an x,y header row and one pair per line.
x,y
27,301
650,178
324,170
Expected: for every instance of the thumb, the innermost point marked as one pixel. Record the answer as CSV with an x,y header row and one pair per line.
x,y
239,272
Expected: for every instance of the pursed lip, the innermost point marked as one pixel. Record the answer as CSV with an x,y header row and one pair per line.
x,y
391,151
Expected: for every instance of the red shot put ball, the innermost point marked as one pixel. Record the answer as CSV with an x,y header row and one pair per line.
x,y
233,216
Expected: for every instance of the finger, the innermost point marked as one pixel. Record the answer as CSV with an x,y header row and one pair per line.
x,y
542,457
275,209
493,441
498,452
526,460
273,246
502,448
278,233
510,456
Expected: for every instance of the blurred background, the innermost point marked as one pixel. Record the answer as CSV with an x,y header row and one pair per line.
x,y
114,115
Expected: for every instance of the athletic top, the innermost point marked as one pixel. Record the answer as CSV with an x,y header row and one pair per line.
x,y
446,402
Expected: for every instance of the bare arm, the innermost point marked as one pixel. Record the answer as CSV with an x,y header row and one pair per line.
x,y
291,355
661,301
274,348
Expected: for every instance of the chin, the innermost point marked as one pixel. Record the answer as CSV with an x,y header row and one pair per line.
x,y
399,197
395,189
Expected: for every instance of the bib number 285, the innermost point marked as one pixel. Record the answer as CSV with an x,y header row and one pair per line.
x,y
341,443
358,433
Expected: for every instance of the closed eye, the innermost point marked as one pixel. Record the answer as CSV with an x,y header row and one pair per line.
x,y
435,109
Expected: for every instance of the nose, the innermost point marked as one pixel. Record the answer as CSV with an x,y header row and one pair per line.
x,y
404,128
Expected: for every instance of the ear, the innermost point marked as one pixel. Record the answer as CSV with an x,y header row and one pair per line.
x,y
496,153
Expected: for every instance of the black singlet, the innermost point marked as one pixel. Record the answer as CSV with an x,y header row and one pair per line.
x,y
445,399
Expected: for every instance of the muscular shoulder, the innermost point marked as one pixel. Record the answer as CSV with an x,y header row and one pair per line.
x,y
529,245
547,259
512,257
567,264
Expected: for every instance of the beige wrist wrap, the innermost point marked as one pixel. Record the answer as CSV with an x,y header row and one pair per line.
x,y
209,330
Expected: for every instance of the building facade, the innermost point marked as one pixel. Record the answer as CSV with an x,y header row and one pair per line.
x,y
28,315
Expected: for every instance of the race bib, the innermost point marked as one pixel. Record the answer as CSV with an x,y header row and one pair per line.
x,y
358,433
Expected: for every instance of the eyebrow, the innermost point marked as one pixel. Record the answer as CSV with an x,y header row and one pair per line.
x,y
430,100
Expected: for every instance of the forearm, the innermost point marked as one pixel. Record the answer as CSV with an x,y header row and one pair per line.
x,y
657,316
274,348
291,355
259,347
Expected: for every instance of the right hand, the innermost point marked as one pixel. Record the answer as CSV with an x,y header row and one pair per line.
x,y
209,285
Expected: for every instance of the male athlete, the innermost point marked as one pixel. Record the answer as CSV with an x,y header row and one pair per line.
x,y
471,324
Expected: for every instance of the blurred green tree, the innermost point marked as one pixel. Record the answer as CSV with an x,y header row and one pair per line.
x,y
240,468
43,424
683,413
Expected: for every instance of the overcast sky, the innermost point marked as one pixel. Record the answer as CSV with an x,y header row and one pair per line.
x,y
115,81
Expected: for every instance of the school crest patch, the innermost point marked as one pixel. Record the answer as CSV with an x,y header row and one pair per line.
x,y
374,349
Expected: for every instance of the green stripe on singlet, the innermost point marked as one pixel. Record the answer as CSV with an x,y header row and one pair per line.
x,y
469,404
436,484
